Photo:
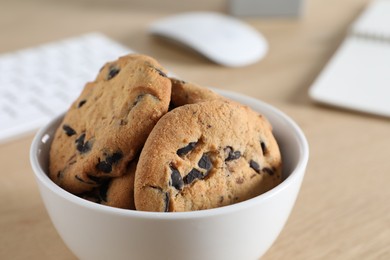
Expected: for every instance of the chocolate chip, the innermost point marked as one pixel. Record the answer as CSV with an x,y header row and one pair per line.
x,y
205,162
114,158
263,147
104,167
81,103
113,71
186,149
268,170
176,179
87,147
161,72
193,175
231,154
81,146
80,142
69,131
255,166
166,209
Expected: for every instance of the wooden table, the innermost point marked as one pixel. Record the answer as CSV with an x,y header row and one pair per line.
x,y
343,209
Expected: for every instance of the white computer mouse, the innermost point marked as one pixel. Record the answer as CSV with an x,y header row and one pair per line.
x,y
221,38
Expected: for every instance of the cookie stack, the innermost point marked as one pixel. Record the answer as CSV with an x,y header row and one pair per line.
x,y
137,139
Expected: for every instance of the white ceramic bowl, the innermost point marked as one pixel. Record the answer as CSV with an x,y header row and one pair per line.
x,y
241,231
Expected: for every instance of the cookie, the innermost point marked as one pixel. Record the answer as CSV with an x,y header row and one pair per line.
x,y
206,155
106,127
115,192
189,93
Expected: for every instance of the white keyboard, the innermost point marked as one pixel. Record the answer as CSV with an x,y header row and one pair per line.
x,y
36,84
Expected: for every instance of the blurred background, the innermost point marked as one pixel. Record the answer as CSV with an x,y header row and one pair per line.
x,y
309,38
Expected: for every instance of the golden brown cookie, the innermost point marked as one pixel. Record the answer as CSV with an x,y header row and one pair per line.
x,y
206,155
106,127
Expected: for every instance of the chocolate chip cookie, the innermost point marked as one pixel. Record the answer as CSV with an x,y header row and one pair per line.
x,y
206,155
106,127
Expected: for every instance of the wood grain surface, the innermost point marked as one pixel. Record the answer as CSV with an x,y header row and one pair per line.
x,y
343,209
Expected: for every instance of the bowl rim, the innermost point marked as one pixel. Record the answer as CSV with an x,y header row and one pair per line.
x,y
299,169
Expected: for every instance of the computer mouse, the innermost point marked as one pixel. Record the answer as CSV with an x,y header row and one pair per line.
x,y
221,38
